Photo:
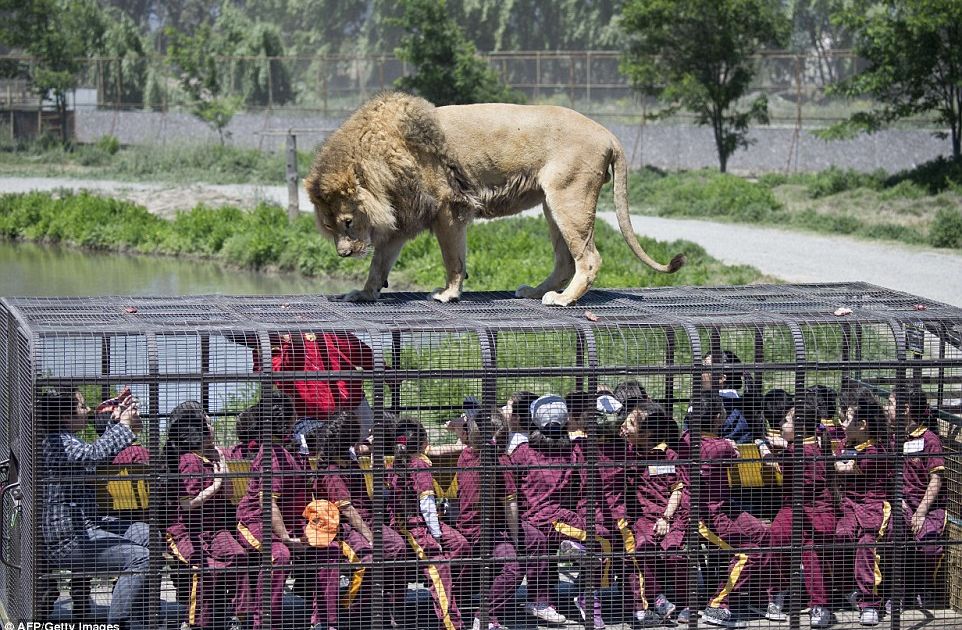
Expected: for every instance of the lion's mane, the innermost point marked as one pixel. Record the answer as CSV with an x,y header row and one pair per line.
x,y
393,148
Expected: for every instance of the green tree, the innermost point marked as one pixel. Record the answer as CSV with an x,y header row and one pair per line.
x,y
448,70
58,34
125,72
914,54
697,55
201,76
814,31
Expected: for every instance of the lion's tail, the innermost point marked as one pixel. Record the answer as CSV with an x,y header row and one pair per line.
x,y
619,167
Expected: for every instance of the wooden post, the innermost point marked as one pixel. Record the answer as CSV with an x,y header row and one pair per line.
x,y
292,203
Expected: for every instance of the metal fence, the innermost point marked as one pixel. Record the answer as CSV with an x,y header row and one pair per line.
x,y
418,476
334,85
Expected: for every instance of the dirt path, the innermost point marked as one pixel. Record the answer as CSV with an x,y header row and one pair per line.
x,y
791,256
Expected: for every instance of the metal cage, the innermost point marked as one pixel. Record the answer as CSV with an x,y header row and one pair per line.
x,y
406,361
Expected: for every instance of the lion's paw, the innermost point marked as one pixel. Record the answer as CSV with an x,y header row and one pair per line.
x,y
530,293
553,298
445,295
359,295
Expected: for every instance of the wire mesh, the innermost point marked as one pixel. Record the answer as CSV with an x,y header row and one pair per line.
x,y
761,456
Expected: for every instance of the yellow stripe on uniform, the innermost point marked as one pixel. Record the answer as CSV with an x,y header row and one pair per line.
x,y
570,531
886,515
174,550
249,536
356,580
732,580
435,579
192,609
606,563
712,537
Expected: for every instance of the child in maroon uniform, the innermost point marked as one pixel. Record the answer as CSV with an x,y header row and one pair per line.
x,y
923,506
864,478
289,496
801,423
414,514
201,535
507,573
722,525
659,520
542,464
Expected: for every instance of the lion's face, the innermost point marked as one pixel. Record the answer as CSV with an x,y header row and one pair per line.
x,y
343,220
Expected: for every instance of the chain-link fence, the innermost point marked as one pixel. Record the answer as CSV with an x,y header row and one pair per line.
x,y
772,456
589,81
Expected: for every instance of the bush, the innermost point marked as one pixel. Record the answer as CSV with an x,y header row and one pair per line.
x,y
934,176
834,180
946,228
706,194
108,144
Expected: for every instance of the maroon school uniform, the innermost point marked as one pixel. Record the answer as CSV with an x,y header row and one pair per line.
x,y
923,457
818,522
290,490
508,575
202,538
724,526
865,516
133,454
408,484
654,476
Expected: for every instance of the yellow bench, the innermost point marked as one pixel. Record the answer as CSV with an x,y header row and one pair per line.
x,y
752,474
123,495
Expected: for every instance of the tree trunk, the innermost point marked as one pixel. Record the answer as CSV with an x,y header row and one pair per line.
x,y
720,143
62,115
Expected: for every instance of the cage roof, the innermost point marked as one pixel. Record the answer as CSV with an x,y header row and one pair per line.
x,y
762,304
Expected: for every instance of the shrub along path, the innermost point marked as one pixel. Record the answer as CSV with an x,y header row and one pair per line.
x,y
788,255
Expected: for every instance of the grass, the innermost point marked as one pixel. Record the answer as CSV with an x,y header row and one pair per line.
x,y
504,253
213,164
922,206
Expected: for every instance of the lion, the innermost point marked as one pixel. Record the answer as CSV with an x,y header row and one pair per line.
x,y
399,165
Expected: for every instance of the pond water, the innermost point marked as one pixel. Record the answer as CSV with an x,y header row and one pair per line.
x,y
30,269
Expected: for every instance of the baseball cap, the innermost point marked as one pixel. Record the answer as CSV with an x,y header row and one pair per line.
x,y
608,404
323,520
549,411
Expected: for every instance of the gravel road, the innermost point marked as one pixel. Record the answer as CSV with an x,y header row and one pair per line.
x,y
791,256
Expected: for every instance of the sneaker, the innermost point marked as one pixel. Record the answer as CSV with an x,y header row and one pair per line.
x,y
571,548
664,607
820,617
234,623
647,619
722,617
476,625
597,622
774,610
869,617
546,613
853,599
684,616
888,607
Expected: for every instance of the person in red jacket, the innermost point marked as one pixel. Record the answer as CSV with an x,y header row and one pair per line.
x,y
314,352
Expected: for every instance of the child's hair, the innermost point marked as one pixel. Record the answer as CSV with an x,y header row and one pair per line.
x,y
186,430
275,412
868,410
581,404
827,401
53,406
662,426
410,438
707,413
246,427
808,412
732,373
521,407
775,405
335,438
917,402
627,390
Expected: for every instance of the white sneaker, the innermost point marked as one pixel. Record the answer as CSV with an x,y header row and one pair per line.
x,y
869,617
546,613
820,617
